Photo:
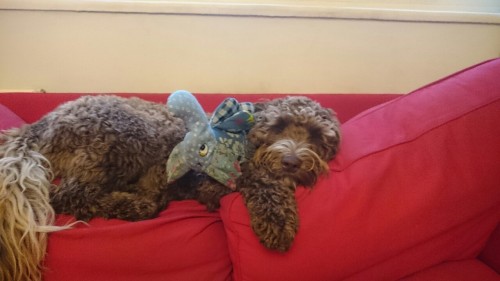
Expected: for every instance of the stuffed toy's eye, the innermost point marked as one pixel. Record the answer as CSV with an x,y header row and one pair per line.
x,y
203,150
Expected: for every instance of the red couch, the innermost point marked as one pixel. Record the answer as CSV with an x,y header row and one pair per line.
x,y
414,194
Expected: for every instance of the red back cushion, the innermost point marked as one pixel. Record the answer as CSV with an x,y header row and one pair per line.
x,y
32,106
416,183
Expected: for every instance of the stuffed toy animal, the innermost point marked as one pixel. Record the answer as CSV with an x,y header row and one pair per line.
x,y
216,147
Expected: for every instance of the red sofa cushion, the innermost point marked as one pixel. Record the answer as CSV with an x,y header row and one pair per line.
x,y
416,183
183,243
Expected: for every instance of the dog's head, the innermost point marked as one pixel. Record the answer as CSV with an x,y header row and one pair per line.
x,y
294,138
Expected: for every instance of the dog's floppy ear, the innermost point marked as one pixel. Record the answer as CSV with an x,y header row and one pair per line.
x,y
331,135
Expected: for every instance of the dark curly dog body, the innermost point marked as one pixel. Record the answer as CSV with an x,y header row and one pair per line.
x,y
294,139
110,154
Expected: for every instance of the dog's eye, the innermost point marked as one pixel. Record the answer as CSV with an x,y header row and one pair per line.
x,y
203,150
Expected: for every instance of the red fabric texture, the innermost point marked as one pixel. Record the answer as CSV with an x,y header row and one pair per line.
x,y
184,243
466,270
9,119
416,184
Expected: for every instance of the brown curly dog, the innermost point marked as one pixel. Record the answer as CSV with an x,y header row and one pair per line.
x,y
294,138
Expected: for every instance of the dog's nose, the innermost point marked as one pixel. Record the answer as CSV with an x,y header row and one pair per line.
x,y
290,163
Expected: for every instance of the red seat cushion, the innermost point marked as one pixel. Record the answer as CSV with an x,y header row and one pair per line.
x,y
416,183
184,243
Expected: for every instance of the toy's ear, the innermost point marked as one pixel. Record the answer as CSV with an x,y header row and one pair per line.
x,y
177,163
225,109
233,116
240,121
184,105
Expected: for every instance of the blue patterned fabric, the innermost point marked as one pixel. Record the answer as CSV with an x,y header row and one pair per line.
x,y
216,147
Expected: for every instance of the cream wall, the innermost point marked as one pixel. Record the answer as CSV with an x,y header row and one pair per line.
x,y
64,51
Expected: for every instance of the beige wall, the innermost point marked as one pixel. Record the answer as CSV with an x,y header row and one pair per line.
x,y
134,52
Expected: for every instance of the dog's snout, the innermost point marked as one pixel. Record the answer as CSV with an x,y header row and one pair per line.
x,y
291,163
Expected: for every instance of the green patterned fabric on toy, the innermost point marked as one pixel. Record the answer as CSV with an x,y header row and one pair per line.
x,y
216,147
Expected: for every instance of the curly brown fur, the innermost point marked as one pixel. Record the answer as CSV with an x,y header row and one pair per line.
x,y
294,138
112,150
110,154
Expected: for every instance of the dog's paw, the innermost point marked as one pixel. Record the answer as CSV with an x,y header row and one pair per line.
x,y
273,214
277,233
